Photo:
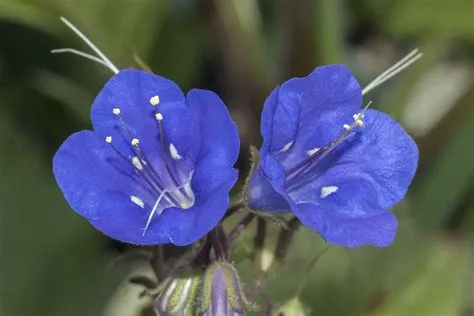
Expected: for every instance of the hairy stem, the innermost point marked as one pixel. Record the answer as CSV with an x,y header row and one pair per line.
x,y
244,222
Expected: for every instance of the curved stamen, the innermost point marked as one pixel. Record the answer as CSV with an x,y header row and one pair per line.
x,y
169,186
318,154
153,210
170,167
136,150
151,188
185,204
152,177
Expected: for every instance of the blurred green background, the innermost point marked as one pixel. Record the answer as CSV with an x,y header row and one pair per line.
x,y
54,264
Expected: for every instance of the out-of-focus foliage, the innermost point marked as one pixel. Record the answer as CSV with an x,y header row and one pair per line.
x,y
53,263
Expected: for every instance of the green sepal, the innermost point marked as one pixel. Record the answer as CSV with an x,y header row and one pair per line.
x,y
178,295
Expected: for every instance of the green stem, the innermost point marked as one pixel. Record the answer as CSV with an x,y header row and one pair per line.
x,y
285,238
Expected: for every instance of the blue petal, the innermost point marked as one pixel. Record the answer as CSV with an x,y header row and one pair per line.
x,y
98,184
219,145
378,228
178,226
121,219
263,195
381,153
175,225
309,112
212,199
213,175
87,170
130,91
348,216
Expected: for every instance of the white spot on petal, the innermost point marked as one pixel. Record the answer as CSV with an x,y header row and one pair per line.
x,y
174,153
137,163
155,100
286,147
108,139
116,111
326,191
313,151
137,201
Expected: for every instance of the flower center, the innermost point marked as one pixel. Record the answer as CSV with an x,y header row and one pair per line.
x,y
305,170
168,181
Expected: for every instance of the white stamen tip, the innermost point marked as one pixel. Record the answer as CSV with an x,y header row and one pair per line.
x,y
347,127
159,116
155,100
312,151
108,139
135,141
116,111
287,147
137,201
326,191
174,153
137,163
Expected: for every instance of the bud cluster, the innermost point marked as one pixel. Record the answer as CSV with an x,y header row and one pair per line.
x,y
217,291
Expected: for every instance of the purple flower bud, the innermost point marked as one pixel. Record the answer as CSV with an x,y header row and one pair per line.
x,y
221,293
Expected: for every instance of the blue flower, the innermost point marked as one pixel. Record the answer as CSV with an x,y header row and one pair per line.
x,y
157,168
336,167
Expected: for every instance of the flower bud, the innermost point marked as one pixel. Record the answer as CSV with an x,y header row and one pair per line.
x,y
221,292
178,296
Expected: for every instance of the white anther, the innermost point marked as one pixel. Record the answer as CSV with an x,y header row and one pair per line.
x,y
326,191
347,127
137,201
312,151
174,153
159,116
116,111
287,147
137,163
155,100
108,139
358,119
135,141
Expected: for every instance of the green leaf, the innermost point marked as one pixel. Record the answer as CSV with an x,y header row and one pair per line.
x,y
53,262
437,290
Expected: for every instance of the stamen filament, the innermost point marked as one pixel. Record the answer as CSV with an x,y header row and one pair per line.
x,y
136,150
152,213
158,200
148,176
307,163
171,173
151,188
